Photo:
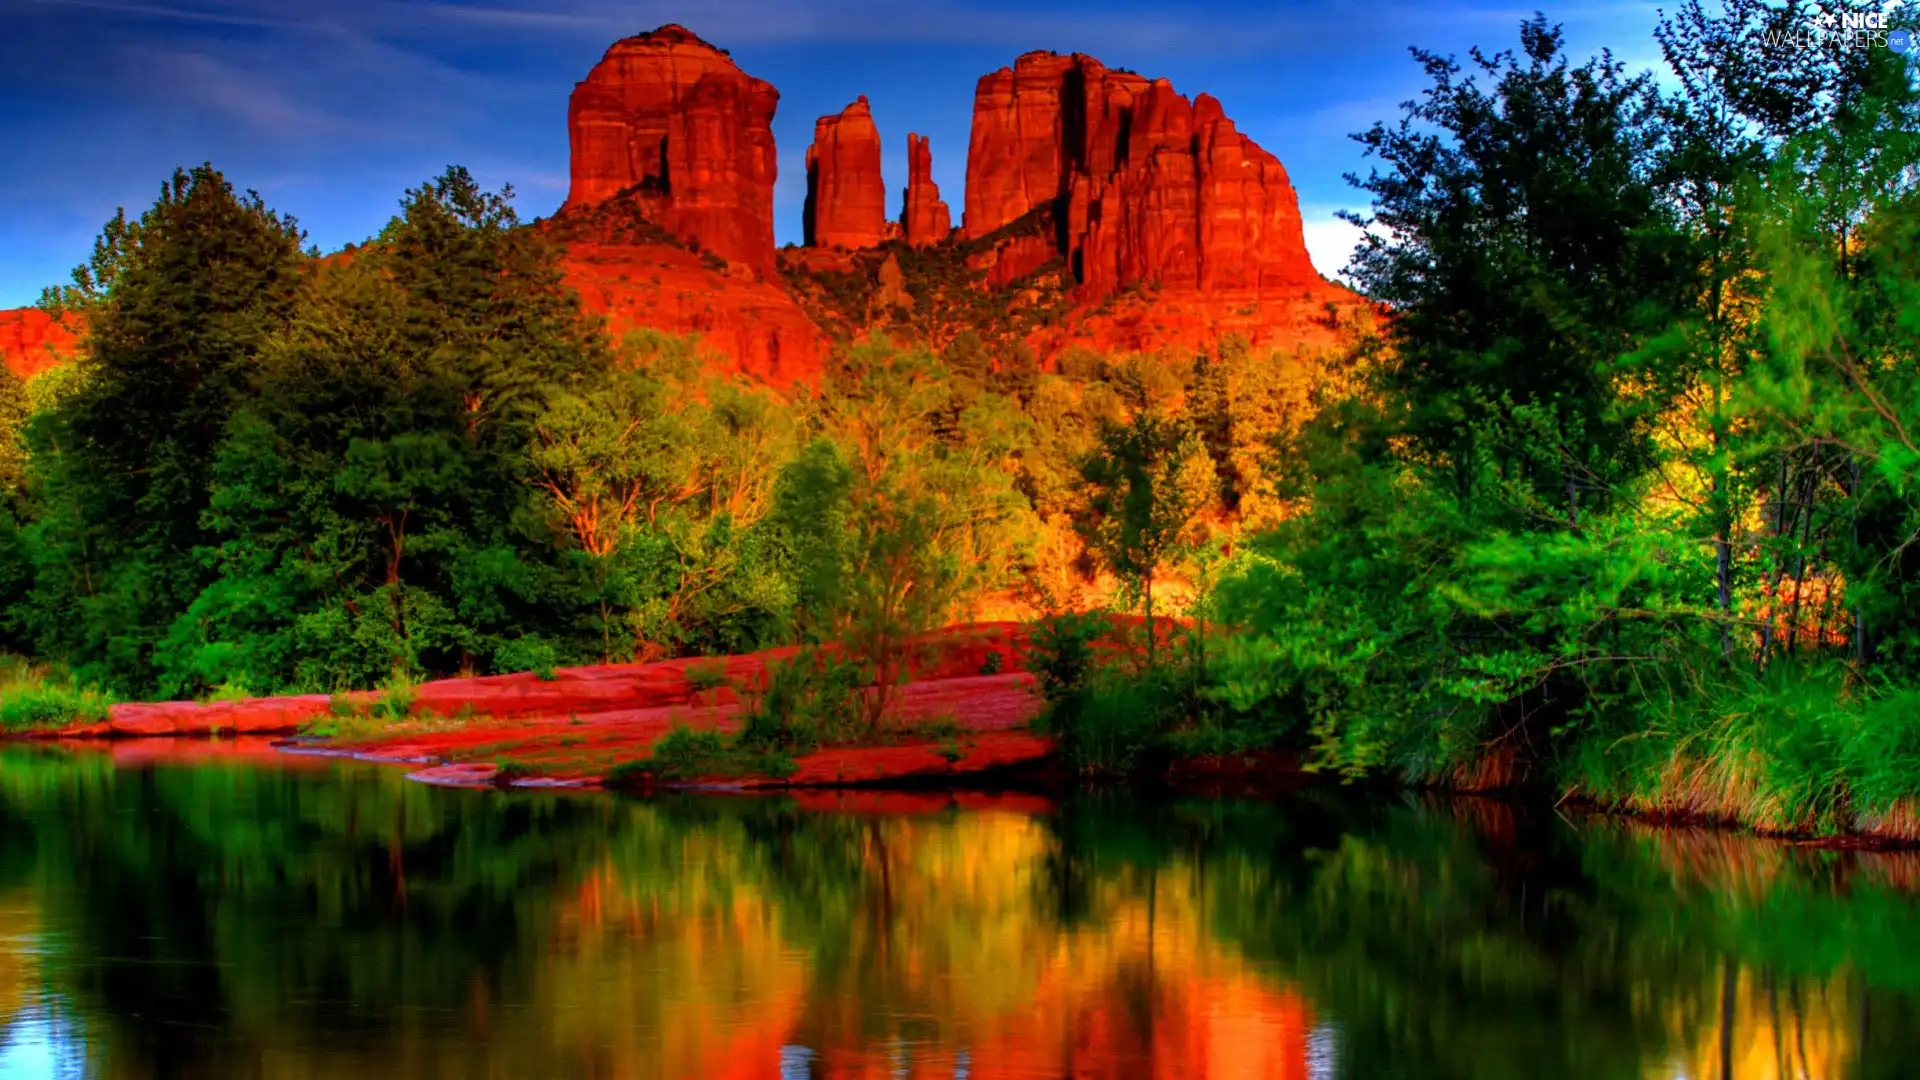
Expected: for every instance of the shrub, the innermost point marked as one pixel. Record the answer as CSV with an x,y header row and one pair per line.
x,y
686,752
49,706
39,698
1061,653
530,653
397,694
778,764
811,699
1114,724
707,676
234,689
628,774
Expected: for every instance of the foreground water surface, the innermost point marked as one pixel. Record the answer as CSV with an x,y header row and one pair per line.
x,y
262,917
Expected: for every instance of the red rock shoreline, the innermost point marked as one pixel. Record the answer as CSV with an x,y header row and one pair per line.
x,y
575,726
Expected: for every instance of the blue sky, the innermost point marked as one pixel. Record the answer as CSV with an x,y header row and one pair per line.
x,y
330,108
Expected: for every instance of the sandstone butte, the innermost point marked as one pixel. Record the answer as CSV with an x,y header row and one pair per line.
x,y
671,124
1144,187
924,218
1152,188
669,121
846,198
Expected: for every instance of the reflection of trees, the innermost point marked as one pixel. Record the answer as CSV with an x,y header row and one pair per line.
x,y
223,921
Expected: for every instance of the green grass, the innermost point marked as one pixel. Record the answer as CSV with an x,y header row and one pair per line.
x,y
943,726
234,689
43,698
686,754
707,676
397,696
507,772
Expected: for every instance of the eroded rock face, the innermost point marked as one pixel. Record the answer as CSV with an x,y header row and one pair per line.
x,y
846,197
1145,185
31,341
924,219
754,324
671,120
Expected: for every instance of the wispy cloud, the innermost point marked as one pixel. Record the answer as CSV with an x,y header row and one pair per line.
x,y
1186,29
222,16
249,98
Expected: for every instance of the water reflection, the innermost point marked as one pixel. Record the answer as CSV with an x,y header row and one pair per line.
x,y
231,918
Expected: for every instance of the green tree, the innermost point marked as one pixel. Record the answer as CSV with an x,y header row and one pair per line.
x,y
373,509
890,527
1522,243
1147,485
178,308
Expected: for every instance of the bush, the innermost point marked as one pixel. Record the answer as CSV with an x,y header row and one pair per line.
x,y
708,676
233,689
1061,653
686,752
1114,724
530,653
397,695
809,700
41,699
628,774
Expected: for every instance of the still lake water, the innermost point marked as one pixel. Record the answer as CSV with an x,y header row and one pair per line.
x,y
323,920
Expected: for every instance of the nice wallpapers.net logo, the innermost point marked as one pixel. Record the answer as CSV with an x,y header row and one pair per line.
x,y
1847,30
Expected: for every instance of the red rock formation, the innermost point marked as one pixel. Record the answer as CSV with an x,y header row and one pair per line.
x,y
925,218
846,197
670,118
755,324
1146,186
31,341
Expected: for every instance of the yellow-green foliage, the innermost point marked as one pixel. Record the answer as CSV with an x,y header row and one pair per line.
x,y
39,697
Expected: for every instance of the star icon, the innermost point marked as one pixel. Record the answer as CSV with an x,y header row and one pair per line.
x,y
1828,19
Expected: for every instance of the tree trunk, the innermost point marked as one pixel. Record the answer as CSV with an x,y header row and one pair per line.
x,y
1151,642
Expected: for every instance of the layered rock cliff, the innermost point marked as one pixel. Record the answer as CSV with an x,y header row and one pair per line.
x,y
1143,185
924,219
669,121
846,197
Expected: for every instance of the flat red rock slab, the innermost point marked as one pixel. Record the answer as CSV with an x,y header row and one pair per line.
x,y
595,692
920,761
456,775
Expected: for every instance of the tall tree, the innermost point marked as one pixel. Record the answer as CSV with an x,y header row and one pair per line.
x,y
178,308
1147,485
1519,237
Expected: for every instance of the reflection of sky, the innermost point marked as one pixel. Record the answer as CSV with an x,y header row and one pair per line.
x,y
38,1045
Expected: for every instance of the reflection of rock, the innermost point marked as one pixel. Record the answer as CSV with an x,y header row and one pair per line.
x,y
670,117
846,197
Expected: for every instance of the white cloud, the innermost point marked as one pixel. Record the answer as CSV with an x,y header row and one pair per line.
x,y
1329,241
